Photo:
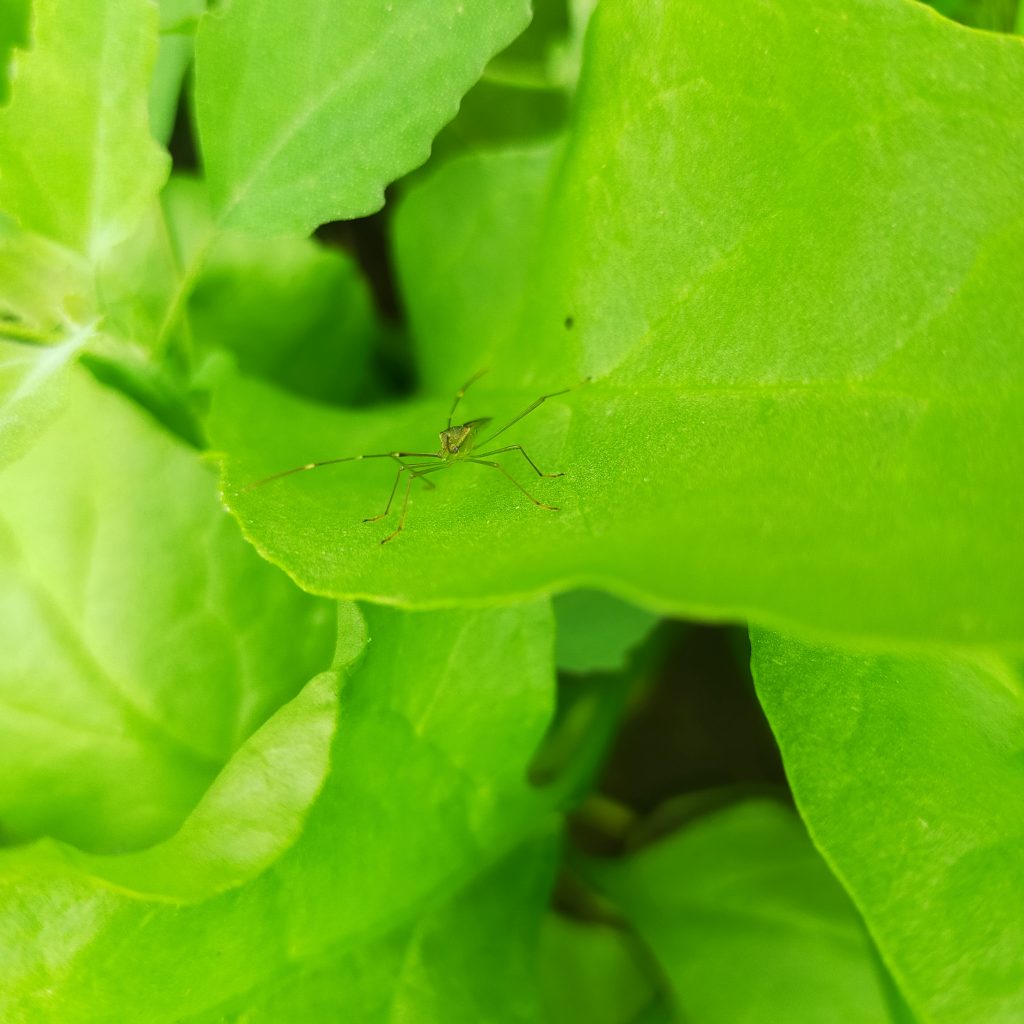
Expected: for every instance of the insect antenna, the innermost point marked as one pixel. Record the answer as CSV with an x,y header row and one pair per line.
x,y
458,396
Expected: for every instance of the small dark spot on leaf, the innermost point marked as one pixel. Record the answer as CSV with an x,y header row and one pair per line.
x,y
569,322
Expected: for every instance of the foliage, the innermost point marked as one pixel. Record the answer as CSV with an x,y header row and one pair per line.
x,y
764,258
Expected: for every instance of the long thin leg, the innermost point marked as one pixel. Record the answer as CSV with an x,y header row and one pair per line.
x,y
519,448
501,469
458,397
526,412
398,456
405,503
391,498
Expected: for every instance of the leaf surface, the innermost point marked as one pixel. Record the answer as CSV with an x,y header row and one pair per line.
x,y
468,960
81,171
708,311
143,638
747,922
359,92
908,772
14,18
32,383
594,972
440,715
806,366
596,631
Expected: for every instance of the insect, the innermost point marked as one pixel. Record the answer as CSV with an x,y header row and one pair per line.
x,y
459,443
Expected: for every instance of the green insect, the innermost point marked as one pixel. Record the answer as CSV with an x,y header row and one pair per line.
x,y
458,444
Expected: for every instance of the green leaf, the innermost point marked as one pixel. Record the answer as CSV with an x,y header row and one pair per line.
x,y
291,311
178,20
747,923
997,15
138,280
44,287
252,812
32,384
82,171
440,715
597,631
593,972
358,94
465,266
908,774
807,359
288,309
14,18
496,114
442,969
143,638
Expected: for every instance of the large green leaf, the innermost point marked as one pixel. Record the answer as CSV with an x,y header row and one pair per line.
x,y
909,775
253,811
440,715
471,959
82,170
359,90
748,923
807,364
142,638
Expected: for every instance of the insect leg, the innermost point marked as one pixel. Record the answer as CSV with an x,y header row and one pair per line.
x,y
391,498
413,474
501,469
519,448
397,456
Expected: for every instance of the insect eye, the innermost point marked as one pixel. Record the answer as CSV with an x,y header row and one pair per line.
x,y
455,449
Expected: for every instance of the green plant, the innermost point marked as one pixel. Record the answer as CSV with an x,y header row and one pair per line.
x,y
778,247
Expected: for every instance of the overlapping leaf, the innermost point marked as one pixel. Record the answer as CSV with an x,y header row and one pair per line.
x,y
909,776
81,171
747,922
439,718
142,638
806,362
359,91
470,959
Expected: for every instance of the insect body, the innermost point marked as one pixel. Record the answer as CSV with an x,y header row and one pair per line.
x,y
459,443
